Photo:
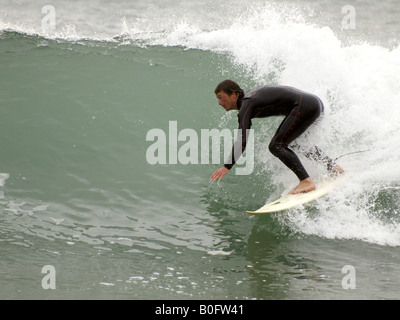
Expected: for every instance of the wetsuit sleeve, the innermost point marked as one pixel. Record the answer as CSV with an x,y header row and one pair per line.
x,y
244,118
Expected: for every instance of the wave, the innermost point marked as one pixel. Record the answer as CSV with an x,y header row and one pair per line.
x,y
359,86
358,83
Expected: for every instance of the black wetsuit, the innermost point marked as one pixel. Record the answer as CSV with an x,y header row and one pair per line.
x,y
300,109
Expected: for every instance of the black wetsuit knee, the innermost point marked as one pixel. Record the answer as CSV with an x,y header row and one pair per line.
x,y
275,148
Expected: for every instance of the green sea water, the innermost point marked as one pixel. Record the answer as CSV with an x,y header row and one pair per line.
x,y
77,191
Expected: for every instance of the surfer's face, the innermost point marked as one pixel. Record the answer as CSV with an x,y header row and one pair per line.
x,y
228,102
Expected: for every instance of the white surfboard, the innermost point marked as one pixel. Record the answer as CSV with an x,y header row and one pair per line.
x,y
293,200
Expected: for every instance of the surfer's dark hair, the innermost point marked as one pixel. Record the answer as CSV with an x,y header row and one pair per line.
x,y
229,87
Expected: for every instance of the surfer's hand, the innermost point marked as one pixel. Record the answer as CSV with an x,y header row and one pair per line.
x,y
336,169
217,175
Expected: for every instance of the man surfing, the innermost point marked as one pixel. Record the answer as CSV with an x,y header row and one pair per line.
x,y
300,109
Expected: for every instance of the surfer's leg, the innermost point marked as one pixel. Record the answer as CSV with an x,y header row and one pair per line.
x,y
300,118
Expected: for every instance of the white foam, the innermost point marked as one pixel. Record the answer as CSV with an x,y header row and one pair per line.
x,y
3,178
219,252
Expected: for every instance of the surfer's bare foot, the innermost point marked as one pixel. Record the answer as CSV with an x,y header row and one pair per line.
x,y
305,185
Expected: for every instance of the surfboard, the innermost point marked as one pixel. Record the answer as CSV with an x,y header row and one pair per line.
x,y
293,200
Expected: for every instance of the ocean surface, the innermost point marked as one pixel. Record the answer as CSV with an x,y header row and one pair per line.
x,y
86,212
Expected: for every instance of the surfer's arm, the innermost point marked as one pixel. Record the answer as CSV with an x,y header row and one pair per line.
x,y
221,172
244,118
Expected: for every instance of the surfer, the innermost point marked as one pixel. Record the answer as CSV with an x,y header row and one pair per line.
x,y
300,109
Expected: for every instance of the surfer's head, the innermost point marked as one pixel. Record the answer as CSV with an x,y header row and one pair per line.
x,y
229,95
